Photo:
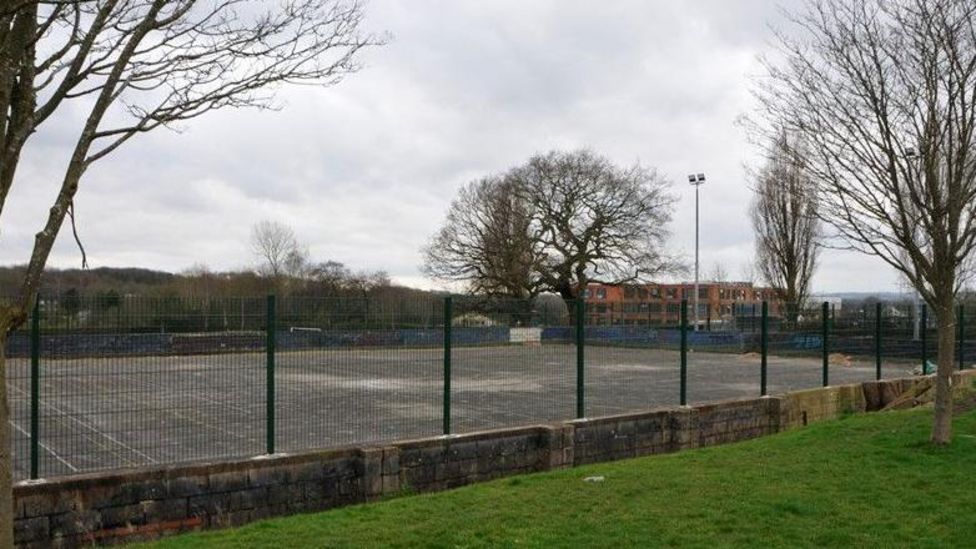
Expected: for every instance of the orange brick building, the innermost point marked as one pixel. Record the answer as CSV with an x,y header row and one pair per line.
x,y
720,303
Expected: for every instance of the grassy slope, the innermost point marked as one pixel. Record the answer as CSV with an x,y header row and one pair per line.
x,y
865,480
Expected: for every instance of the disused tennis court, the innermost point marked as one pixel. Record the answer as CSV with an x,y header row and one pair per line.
x,y
98,414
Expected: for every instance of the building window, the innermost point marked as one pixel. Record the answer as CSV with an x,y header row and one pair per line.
x,y
601,293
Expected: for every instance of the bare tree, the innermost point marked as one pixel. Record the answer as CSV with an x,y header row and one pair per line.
x,y
594,221
130,67
784,218
276,248
554,224
486,242
719,273
881,94
747,272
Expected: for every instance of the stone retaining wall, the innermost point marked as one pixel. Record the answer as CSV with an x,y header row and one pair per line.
x,y
149,503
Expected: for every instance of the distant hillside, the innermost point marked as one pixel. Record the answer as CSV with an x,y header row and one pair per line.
x,y
56,281
861,296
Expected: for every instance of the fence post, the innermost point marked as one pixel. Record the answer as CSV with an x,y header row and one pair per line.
x,y
826,343
272,329
753,318
925,349
877,340
763,346
35,388
962,336
448,320
684,352
580,362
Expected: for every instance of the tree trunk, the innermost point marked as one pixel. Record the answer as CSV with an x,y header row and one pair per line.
x,y
6,483
942,424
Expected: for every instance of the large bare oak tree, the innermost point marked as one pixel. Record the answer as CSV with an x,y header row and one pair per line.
x,y
130,67
486,242
882,94
555,223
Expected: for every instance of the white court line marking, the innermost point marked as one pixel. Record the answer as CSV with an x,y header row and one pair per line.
x,y
204,424
45,446
97,444
95,430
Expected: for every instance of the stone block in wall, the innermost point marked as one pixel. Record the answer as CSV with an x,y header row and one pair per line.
x,y
391,484
812,405
28,530
341,467
513,445
461,450
75,523
873,401
415,456
227,481
269,476
123,516
290,493
249,498
391,460
181,487
350,488
208,505
161,510
108,494
683,424
371,476
43,504
559,448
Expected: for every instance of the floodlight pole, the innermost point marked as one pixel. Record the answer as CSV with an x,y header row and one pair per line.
x,y
697,181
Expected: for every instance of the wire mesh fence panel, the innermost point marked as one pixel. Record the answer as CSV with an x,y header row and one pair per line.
x,y
352,370
851,343
723,363
146,381
902,337
794,347
17,353
967,336
631,364
513,362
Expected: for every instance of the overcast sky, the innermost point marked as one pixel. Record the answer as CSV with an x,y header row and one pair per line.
x,y
364,171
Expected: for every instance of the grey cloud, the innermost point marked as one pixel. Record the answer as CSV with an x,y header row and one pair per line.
x,y
364,171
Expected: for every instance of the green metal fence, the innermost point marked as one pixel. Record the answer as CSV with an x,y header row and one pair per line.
x,y
98,385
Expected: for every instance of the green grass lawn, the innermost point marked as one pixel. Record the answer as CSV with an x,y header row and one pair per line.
x,y
867,480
